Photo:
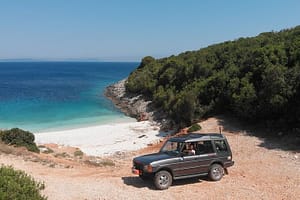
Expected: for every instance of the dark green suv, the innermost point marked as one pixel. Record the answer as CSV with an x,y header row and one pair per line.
x,y
186,156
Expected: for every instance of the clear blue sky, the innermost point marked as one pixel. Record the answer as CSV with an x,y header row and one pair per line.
x,y
127,30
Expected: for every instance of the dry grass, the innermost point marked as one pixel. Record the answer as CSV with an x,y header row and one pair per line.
x,y
9,149
4,148
62,155
100,162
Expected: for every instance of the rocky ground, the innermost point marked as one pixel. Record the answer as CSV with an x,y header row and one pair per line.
x,y
264,169
137,106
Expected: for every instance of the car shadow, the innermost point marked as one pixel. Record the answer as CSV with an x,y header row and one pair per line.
x,y
188,181
139,183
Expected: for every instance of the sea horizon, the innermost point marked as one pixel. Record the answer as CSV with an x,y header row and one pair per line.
x,y
58,95
25,60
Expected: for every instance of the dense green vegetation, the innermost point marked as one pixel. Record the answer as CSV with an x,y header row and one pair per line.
x,y
19,137
254,78
194,127
18,185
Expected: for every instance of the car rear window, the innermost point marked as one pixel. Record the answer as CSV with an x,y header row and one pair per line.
x,y
204,147
221,146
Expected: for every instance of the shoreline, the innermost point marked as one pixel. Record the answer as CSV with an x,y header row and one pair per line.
x,y
106,139
117,120
115,137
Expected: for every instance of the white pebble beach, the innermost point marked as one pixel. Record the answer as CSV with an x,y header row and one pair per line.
x,y
105,139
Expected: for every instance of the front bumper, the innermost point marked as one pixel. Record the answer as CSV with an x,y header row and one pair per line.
x,y
228,164
136,171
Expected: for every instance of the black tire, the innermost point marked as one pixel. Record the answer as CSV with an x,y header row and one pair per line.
x,y
216,172
163,180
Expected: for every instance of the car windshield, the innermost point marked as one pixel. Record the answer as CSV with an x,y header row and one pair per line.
x,y
171,148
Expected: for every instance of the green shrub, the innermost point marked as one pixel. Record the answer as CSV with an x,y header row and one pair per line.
x,y
19,137
194,127
15,184
78,153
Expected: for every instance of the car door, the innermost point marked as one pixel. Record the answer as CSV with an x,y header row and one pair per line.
x,y
205,154
198,163
184,166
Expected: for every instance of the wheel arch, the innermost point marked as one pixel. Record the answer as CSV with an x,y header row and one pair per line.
x,y
217,162
166,169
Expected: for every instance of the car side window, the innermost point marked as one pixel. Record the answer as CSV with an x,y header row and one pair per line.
x,y
221,146
189,149
204,147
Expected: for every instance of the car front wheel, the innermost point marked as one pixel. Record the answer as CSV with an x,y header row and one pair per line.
x,y
216,172
162,180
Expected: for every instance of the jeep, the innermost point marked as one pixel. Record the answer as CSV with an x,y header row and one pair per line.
x,y
186,156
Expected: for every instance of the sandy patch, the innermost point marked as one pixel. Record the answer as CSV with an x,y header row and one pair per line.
x,y
105,139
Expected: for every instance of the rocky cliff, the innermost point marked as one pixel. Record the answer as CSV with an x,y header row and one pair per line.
x,y
137,106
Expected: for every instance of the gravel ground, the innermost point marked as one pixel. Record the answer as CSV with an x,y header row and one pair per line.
x,y
260,172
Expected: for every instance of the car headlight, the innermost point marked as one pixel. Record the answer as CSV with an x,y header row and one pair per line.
x,y
148,168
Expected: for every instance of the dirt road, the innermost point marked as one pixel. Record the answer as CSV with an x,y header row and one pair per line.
x,y
262,170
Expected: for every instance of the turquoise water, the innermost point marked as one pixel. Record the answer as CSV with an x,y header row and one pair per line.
x,y
43,96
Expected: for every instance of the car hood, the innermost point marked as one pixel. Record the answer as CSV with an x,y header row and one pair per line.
x,y
147,159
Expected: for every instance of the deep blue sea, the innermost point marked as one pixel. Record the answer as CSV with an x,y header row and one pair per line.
x,y
44,96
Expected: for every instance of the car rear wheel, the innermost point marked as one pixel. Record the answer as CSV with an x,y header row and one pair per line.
x,y
162,180
216,172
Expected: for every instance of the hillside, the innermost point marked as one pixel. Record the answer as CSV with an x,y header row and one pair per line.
x,y
251,78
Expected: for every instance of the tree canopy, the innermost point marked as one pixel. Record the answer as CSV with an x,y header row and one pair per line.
x,y
254,78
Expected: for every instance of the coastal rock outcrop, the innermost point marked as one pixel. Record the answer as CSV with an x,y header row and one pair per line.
x,y
137,106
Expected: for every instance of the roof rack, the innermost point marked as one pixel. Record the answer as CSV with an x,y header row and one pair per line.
x,y
195,137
